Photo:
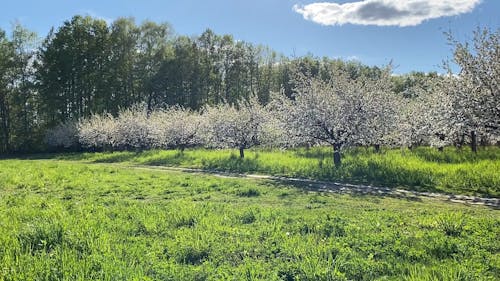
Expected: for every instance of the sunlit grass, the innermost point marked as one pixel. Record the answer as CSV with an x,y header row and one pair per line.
x,y
74,221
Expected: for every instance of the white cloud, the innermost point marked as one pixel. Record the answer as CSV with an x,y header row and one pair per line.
x,y
384,12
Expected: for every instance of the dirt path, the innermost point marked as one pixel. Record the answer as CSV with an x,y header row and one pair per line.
x,y
336,187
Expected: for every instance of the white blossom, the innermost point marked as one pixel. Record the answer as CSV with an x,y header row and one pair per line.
x,y
97,131
64,135
341,112
175,127
238,126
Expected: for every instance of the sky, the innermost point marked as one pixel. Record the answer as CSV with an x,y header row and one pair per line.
x,y
408,33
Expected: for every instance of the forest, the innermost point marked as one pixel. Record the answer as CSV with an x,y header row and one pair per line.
x,y
89,85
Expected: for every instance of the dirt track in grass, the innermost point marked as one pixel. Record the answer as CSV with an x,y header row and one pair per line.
x,y
336,187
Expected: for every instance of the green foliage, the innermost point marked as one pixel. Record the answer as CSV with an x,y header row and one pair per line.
x,y
65,220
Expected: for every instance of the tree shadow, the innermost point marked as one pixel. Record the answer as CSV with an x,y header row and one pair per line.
x,y
314,153
376,173
116,157
453,155
232,163
326,152
357,190
176,159
36,156
104,157
366,191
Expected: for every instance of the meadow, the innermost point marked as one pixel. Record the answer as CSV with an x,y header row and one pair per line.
x,y
421,169
72,218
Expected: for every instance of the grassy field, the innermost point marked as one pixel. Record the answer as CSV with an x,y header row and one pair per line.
x,y
63,220
422,169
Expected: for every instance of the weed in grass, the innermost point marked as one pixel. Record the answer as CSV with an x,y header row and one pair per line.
x,y
445,273
451,224
192,255
40,236
183,220
249,192
248,217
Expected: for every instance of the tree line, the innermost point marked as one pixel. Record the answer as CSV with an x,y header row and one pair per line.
x,y
89,84
87,66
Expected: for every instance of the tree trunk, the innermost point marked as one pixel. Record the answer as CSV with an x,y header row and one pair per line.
x,y
149,104
473,142
483,141
336,155
441,138
461,141
4,125
242,153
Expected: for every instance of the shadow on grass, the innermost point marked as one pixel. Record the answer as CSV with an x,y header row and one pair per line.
x,y
314,153
175,159
36,156
368,191
68,156
453,155
325,152
350,189
116,157
387,175
232,163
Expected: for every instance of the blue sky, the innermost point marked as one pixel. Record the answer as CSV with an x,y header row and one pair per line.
x,y
410,33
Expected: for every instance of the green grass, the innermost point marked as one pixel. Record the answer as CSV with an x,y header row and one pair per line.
x,y
75,221
423,169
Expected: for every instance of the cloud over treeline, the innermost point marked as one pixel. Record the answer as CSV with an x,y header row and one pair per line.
x,y
384,12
